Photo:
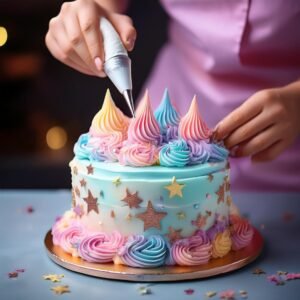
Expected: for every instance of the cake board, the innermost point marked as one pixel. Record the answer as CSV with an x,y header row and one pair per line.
x,y
232,261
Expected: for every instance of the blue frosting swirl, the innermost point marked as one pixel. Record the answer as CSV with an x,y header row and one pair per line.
x,y
174,154
217,153
82,150
144,252
199,152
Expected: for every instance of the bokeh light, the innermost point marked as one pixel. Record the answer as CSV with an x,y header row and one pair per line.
x,y
56,138
3,36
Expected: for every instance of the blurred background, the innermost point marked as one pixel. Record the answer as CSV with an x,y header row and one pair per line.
x,y
45,105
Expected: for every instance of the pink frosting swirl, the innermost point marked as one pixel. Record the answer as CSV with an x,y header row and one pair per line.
x,y
191,126
101,247
138,155
192,251
241,232
144,128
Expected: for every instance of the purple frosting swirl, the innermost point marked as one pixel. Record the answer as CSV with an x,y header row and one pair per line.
x,y
199,152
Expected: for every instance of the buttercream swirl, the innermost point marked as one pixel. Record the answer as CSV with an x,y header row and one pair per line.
x,y
218,227
144,252
82,149
100,247
171,134
192,251
241,232
191,126
138,155
217,153
199,152
144,128
174,154
109,119
221,244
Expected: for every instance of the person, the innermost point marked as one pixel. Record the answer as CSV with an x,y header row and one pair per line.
x,y
240,57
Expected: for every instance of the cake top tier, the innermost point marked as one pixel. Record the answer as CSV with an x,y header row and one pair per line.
x,y
159,138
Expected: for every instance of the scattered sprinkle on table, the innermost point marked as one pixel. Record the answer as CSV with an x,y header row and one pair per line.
x,y
210,294
144,290
258,271
227,295
189,291
60,289
53,277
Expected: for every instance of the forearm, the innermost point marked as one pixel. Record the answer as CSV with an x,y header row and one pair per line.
x,y
118,6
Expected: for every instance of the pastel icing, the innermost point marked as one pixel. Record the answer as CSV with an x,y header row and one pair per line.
x,y
82,149
192,127
221,244
217,152
200,152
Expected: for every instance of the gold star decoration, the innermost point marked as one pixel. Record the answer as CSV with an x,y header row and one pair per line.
x,y
175,188
61,289
82,182
200,222
258,271
128,217
221,193
75,170
151,217
53,277
77,191
90,169
91,203
117,181
173,234
132,200
112,214
210,177
181,215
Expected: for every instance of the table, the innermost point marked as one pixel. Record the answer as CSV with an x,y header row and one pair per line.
x,y
21,246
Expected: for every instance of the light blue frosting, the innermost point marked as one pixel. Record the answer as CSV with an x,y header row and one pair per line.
x,y
81,148
165,114
174,154
217,153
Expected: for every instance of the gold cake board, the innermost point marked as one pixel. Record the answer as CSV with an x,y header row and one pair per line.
x,y
232,261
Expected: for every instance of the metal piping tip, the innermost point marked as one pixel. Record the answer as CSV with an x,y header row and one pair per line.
x,y
128,97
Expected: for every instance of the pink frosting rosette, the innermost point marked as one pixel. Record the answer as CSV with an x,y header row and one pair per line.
x,y
241,232
101,247
192,251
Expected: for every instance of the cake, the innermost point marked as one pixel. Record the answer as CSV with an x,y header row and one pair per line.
x,y
150,191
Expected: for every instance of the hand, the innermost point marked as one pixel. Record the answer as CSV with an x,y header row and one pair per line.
x,y
75,39
264,125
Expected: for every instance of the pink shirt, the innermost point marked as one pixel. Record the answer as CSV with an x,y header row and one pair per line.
x,y
224,51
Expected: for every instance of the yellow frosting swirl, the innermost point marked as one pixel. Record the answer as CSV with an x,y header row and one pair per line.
x,y
221,244
109,119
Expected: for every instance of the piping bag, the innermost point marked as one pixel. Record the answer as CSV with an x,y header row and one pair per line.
x,y
117,64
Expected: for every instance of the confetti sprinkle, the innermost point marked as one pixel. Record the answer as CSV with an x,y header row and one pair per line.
x,y
78,210
13,274
292,276
281,273
20,270
243,293
210,294
29,209
275,279
128,217
117,181
82,182
60,289
53,277
258,271
175,188
91,203
144,290
189,291
181,215
112,214
227,294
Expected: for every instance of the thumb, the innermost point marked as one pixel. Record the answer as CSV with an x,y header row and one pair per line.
x,y
124,26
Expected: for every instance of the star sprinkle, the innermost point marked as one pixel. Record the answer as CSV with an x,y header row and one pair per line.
x,y
75,170
60,289
150,217
173,234
275,279
210,294
29,209
144,290
227,295
220,194
128,217
280,273
77,191
210,177
91,203
53,277
112,214
117,181
90,169
175,188
292,276
243,293
132,200
73,198
189,291
200,222
82,182
181,215
13,274
258,271
78,210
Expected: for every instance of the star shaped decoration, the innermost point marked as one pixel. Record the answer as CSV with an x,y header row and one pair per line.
x,y
78,210
112,214
258,271
75,170
73,198
60,289
208,213
53,277
132,200
173,234
91,203
82,182
175,188
228,200
181,215
221,193
90,169
200,222
210,177
77,191
128,217
13,274
117,181
151,217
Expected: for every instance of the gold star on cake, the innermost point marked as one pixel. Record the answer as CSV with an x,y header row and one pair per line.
x,y
75,170
181,215
173,234
77,191
82,182
90,169
91,203
117,181
132,200
151,217
53,277
200,222
61,289
210,177
221,193
175,188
